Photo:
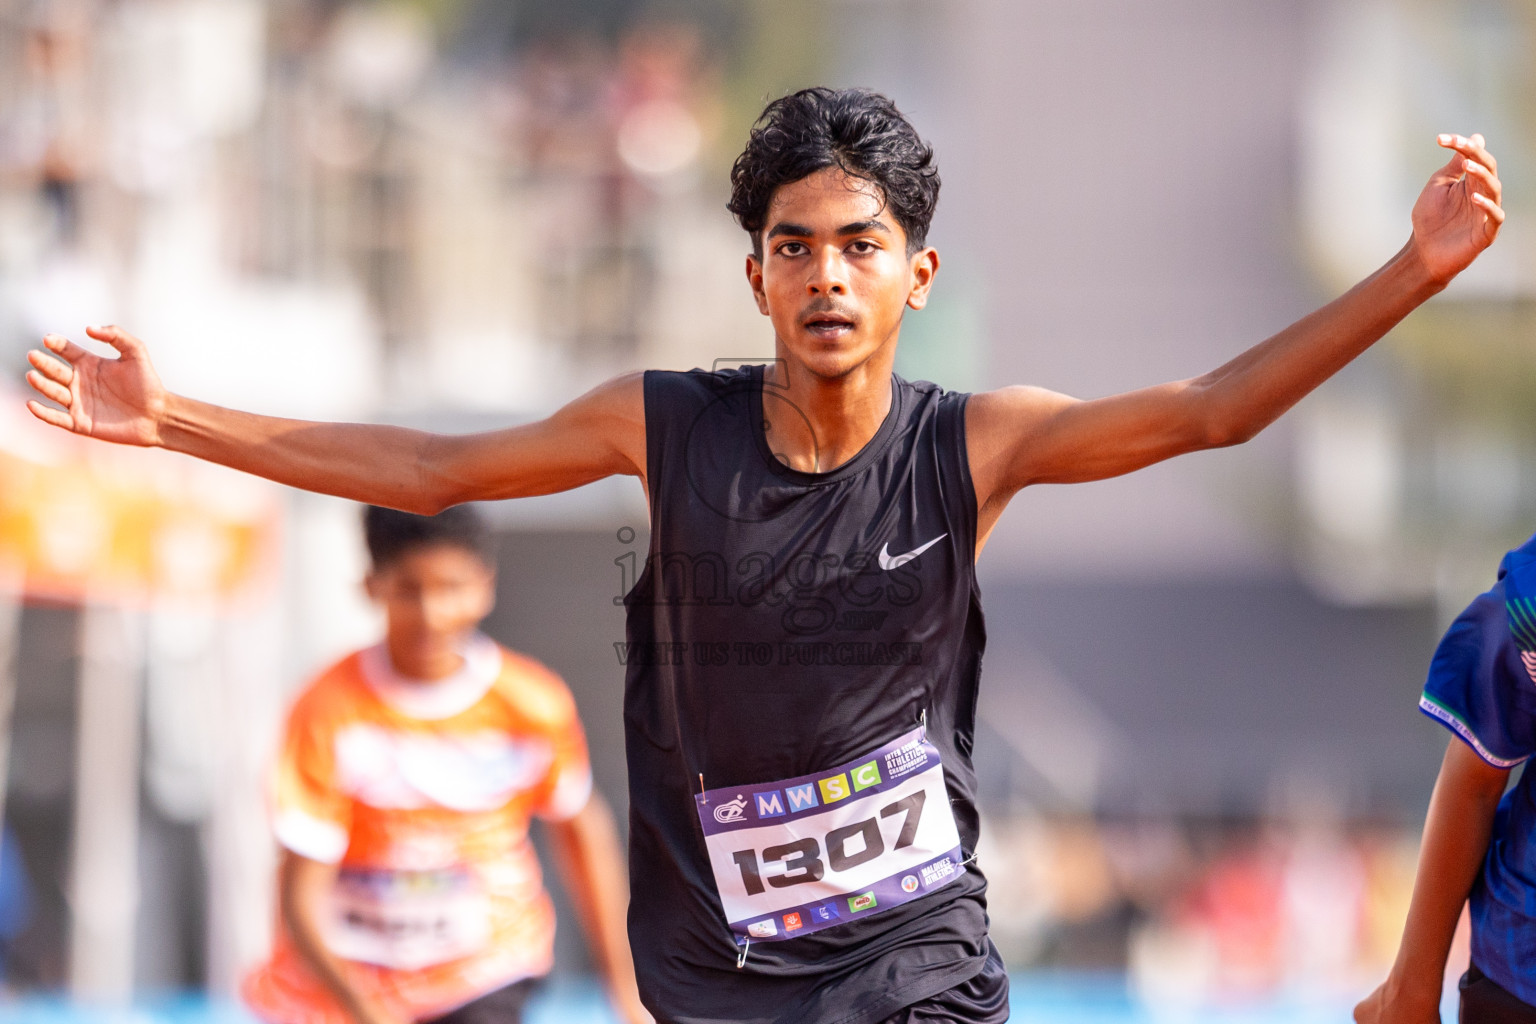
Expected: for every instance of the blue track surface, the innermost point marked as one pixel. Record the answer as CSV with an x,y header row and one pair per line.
x,y
1037,999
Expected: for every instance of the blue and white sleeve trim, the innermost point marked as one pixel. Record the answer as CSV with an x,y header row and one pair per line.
x,y
1452,721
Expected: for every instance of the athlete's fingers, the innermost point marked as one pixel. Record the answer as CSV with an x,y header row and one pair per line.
x,y
51,368
1483,156
52,390
1472,148
1483,180
118,338
50,415
1494,211
63,347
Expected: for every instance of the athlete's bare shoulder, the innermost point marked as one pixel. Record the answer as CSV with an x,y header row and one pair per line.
x,y
998,425
613,414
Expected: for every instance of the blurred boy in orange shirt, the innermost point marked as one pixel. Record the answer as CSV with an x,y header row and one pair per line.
x,y
409,772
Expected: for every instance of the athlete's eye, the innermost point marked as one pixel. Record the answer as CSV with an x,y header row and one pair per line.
x,y
793,249
863,247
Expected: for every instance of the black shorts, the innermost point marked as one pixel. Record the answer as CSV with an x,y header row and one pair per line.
x,y
503,1006
981,1000
1483,1002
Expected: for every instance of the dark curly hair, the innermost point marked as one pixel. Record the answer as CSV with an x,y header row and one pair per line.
x,y
857,130
390,533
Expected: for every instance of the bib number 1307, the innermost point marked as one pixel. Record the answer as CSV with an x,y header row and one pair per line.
x,y
793,856
846,847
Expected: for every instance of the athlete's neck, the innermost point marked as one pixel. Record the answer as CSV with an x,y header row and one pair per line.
x,y
815,424
423,662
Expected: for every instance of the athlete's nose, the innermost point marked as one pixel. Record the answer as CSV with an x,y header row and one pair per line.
x,y
439,612
828,274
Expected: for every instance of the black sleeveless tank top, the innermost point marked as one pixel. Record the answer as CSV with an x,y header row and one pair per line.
x,y
778,630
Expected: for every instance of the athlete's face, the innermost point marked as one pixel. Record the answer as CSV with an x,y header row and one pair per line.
x,y
834,275
433,596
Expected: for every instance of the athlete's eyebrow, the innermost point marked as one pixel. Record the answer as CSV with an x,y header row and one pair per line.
x,y
784,227
858,227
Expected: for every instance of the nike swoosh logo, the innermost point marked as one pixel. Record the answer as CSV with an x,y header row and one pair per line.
x,y
889,561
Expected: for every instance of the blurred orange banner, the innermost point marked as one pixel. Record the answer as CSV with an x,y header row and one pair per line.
x,y
82,519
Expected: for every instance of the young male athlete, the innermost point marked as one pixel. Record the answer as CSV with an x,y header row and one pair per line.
x,y
805,643
408,889
1479,841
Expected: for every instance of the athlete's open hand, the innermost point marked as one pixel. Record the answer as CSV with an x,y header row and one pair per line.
x,y
117,400
1458,214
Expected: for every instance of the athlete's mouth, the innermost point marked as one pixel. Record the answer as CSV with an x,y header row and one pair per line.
x,y
829,326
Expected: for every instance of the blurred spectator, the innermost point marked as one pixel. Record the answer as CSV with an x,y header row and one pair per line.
x,y
43,140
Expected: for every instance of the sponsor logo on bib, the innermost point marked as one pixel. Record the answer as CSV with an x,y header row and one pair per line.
x,y
762,929
730,811
863,901
938,871
909,884
793,923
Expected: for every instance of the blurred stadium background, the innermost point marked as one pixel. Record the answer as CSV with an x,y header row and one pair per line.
x,y
1203,769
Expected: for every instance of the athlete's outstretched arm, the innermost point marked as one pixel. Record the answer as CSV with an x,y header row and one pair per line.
x,y
600,434
1456,835
1020,436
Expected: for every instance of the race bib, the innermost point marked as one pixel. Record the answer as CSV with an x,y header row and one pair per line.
x,y
797,856
408,919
